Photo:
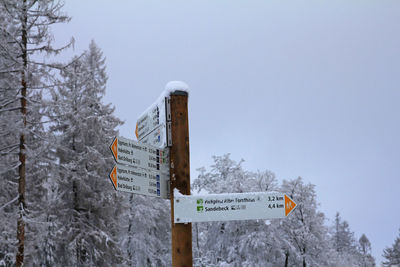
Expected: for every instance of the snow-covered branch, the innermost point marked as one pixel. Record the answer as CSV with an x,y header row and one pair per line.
x,y
9,203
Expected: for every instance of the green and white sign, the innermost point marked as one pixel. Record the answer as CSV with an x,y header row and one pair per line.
x,y
230,207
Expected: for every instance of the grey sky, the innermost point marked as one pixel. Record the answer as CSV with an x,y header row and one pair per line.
x,y
302,88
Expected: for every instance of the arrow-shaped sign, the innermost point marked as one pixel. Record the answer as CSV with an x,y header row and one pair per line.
x,y
289,205
229,207
139,181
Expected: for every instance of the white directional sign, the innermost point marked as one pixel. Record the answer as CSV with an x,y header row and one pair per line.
x,y
158,137
157,115
140,181
229,207
135,154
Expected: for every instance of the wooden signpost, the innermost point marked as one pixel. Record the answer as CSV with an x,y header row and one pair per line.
x,y
180,177
159,165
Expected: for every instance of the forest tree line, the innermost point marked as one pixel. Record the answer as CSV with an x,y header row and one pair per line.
x,y
57,206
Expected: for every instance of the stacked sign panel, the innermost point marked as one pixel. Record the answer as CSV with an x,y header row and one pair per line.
x,y
141,168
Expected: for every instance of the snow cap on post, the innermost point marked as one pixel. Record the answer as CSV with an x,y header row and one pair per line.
x,y
173,87
177,88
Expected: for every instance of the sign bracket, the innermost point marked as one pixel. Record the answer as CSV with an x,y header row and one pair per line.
x,y
168,120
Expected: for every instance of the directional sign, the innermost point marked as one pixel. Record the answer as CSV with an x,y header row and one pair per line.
x,y
155,116
158,137
229,207
135,154
140,181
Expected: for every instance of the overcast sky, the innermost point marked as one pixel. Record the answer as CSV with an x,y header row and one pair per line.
x,y
302,88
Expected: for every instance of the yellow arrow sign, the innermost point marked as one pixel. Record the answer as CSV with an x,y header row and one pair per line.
x,y
289,205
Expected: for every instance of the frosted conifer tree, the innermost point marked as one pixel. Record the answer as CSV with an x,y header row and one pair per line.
x,y
25,27
88,208
344,244
10,123
343,238
365,252
392,254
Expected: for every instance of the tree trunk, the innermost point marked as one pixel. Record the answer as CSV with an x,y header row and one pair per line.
x,y
130,233
304,257
79,256
286,259
22,154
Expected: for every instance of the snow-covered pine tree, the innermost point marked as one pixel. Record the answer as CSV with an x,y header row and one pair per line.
x,y
26,32
10,124
392,254
88,209
343,238
344,244
364,247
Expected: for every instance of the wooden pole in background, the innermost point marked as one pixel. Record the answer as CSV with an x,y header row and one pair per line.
x,y
180,177
19,261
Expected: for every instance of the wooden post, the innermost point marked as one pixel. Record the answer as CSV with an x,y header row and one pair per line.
x,y
180,177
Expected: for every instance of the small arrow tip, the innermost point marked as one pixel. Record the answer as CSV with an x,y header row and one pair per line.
x,y
113,177
114,148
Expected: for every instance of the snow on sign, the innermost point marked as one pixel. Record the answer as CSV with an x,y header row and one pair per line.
x,y
230,207
140,181
139,155
157,116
